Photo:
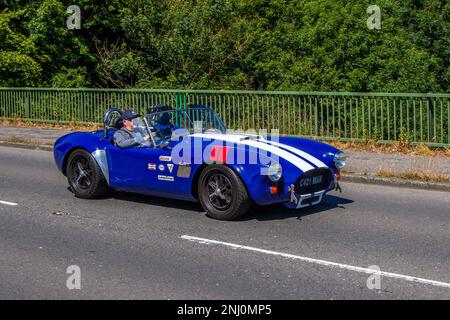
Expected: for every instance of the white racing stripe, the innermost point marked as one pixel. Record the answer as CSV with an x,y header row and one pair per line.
x,y
292,158
300,153
297,161
320,262
8,203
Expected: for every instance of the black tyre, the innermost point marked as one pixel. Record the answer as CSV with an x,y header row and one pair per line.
x,y
222,193
85,177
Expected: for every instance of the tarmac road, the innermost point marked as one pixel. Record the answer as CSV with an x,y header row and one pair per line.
x,y
135,247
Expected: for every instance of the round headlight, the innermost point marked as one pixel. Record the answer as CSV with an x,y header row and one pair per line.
x,y
339,160
274,172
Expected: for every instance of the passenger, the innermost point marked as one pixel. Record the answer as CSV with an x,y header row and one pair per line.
x,y
163,125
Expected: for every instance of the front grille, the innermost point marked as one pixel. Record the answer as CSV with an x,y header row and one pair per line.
x,y
313,181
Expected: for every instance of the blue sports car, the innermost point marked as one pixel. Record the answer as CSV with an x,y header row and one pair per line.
x,y
190,155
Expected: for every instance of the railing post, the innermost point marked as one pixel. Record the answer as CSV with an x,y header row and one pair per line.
x,y
180,100
28,105
177,99
316,118
431,119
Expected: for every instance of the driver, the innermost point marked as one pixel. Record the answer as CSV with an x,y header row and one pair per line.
x,y
131,134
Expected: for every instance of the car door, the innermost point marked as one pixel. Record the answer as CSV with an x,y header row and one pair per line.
x,y
161,176
147,170
127,167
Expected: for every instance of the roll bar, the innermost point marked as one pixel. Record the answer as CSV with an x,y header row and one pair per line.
x,y
107,119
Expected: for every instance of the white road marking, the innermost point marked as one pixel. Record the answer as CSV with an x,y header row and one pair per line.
x,y
8,203
320,262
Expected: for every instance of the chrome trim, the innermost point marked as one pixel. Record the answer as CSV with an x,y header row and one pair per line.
x,y
149,131
298,202
340,156
307,196
102,161
293,197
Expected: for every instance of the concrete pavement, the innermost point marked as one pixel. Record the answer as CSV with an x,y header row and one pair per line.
x,y
130,246
38,135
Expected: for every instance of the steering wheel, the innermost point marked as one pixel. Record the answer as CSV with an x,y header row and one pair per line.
x,y
163,133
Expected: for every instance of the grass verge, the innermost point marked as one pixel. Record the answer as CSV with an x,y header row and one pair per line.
x,y
420,176
371,146
73,126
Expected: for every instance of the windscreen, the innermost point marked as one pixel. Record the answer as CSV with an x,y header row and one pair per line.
x,y
191,119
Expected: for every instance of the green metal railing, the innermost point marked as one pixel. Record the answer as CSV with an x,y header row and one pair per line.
x,y
385,117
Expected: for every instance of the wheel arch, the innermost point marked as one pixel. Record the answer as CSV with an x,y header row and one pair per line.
x,y
99,157
195,179
198,172
67,156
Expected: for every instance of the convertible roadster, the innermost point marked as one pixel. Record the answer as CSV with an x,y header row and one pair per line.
x,y
192,156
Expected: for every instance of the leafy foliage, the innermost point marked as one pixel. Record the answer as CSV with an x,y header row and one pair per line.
x,y
227,44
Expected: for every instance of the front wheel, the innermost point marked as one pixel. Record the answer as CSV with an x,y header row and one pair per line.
x,y
222,193
85,177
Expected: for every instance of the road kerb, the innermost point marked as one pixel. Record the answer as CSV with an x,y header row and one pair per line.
x,y
29,146
396,182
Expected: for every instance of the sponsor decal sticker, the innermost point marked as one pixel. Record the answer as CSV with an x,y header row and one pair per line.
x,y
161,167
170,167
152,166
165,158
165,178
184,171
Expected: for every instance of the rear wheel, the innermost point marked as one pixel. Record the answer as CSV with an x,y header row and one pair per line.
x,y
85,177
222,193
